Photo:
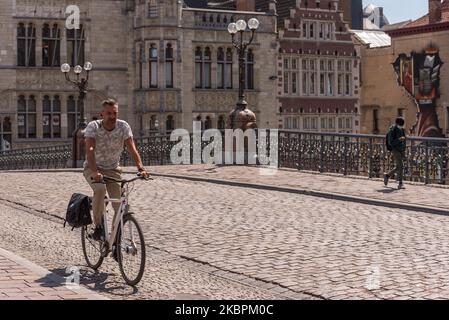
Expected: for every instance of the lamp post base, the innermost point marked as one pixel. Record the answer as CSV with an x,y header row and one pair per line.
x,y
241,117
78,147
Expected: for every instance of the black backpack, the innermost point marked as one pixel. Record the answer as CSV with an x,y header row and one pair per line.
x,y
389,147
78,211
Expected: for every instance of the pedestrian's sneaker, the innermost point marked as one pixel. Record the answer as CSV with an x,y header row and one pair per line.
x,y
401,186
386,178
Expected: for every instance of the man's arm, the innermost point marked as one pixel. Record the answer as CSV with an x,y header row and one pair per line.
x,y
130,145
90,156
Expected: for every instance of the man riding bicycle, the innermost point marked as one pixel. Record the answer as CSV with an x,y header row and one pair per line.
x,y
104,140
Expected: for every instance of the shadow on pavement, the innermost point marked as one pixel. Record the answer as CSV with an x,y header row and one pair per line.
x,y
387,190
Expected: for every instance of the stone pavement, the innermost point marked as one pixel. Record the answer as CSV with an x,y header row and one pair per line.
x,y
21,279
352,188
282,244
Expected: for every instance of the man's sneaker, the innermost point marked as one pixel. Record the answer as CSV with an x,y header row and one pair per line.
x,y
386,178
401,186
98,233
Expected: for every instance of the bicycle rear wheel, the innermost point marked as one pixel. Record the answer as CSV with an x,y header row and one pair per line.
x,y
91,248
131,252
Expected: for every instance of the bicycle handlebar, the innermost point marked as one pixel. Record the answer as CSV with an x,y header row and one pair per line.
x,y
123,181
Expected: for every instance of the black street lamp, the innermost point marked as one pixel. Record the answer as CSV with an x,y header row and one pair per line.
x,y
78,152
241,117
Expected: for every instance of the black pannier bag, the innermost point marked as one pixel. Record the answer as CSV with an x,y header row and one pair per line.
x,y
78,211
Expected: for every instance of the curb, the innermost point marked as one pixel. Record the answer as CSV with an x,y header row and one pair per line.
x,y
44,273
313,193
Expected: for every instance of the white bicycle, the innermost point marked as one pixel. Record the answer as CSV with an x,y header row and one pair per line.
x,y
125,242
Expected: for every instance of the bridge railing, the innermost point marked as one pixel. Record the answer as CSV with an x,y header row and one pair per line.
x,y
427,159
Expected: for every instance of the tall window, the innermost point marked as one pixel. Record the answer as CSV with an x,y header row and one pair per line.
x,y
305,76
228,68
447,119
249,83
51,117
344,77
75,46
153,11
207,68
221,123
203,61
73,114
198,68
208,123
5,134
291,76
153,124
169,124
26,117
327,77
26,45
375,121
312,77
51,44
140,65
169,66
312,30
153,66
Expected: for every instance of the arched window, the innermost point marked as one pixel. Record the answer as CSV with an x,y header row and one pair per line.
x,y
228,69
221,123
5,134
75,46
153,66
169,66
203,61
51,44
73,114
207,68
249,83
51,117
153,124
208,123
169,124
26,45
199,118
26,117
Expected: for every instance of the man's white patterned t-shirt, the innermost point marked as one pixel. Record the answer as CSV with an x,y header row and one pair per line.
x,y
108,144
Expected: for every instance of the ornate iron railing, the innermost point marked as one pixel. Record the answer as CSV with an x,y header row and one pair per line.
x,y
346,154
54,157
365,155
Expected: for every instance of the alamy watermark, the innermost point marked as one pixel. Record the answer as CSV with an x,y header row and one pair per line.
x,y
73,280
240,147
73,20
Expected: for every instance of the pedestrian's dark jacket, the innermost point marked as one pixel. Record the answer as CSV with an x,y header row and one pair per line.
x,y
393,138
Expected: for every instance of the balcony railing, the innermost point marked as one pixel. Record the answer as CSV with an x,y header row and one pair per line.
x,y
346,154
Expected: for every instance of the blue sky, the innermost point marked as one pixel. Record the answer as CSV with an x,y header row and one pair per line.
x,y
400,10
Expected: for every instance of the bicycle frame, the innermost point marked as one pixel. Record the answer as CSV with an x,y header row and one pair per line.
x,y
110,238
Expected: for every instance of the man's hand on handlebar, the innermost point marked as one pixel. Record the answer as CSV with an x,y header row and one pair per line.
x,y
143,173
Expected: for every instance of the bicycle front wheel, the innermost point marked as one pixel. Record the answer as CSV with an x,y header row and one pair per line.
x,y
131,251
91,248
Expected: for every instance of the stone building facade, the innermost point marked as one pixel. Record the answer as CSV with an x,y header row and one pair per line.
x,y
167,63
318,76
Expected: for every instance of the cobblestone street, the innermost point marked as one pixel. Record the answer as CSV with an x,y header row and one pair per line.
x,y
210,240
